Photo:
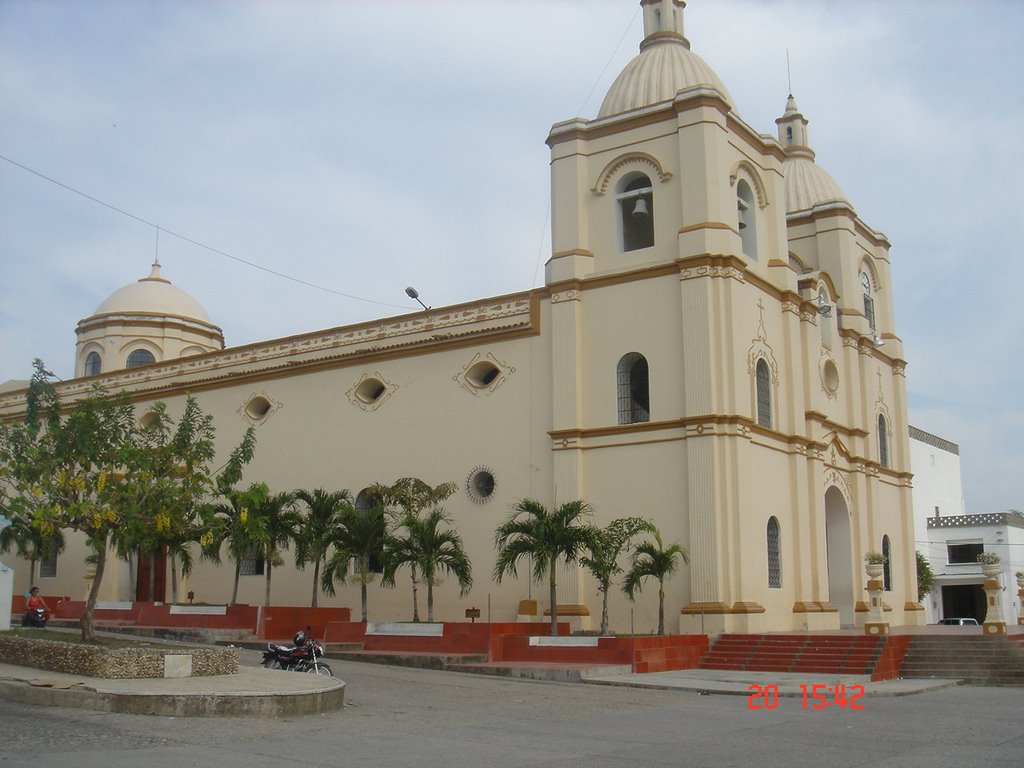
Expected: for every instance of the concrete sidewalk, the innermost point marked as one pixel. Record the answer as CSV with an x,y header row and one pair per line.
x,y
738,683
253,692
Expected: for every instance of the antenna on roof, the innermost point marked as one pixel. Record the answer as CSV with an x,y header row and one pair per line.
x,y
789,75
156,252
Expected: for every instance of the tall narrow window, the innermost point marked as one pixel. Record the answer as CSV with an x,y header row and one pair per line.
x,y
636,212
883,442
774,560
887,565
364,503
869,302
140,357
93,364
633,389
48,562
746,218
764,393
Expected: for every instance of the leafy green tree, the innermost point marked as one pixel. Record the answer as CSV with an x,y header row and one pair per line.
x,y
653,559
88,467
410,496
429,544
29,543
316,530
543,536
605,549
167,476
925,576
66,470
359,534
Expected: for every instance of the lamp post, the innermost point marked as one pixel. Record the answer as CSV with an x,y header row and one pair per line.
x,y
412,293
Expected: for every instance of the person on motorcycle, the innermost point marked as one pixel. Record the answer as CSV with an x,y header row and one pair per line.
x,y
34,603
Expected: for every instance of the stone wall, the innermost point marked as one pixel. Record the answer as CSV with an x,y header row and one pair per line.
x,y
100,661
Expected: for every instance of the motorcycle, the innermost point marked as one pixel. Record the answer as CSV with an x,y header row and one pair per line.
x,y
34,617
303,656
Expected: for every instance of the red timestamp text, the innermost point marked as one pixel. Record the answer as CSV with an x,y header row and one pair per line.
x,y
818,696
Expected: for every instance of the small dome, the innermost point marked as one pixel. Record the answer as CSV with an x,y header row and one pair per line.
x,y
808,185
665,66
153,295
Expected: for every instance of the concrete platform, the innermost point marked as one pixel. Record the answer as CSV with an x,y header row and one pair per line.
x,y
253,692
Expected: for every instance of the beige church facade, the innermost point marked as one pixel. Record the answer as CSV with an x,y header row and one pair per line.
x,y
713,349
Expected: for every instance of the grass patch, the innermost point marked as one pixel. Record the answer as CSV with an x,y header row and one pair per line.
x,y
75,636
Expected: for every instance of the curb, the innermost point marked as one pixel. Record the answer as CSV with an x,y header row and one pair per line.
x,y
81,695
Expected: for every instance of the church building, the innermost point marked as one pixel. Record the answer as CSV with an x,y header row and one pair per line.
x,y
713,349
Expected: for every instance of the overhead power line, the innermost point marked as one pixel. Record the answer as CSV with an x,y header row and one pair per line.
x,y
192,241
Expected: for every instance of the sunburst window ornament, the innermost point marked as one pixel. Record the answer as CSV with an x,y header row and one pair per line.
x,y
480,484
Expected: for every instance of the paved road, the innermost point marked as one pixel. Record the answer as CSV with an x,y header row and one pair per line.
x,y
396,717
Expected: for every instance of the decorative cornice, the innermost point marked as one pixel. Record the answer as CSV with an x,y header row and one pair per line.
x,y
630,158
509,316
746,169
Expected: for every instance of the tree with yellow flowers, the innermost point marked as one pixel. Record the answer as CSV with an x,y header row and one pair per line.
x,y
90,467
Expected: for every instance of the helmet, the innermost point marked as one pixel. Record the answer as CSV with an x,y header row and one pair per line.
x,y
300,638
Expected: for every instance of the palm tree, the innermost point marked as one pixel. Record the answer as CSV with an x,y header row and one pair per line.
x,y
31,543
430,548
653,559
534,532
607,546
275,523
233,523
316,530
410,496
358,535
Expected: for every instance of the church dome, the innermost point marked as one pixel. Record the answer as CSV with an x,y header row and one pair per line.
x,y
664,66
153,295
149,321
809,185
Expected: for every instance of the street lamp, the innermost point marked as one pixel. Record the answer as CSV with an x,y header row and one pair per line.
x,y
412,293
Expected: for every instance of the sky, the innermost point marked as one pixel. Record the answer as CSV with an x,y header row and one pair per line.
x,y
360,147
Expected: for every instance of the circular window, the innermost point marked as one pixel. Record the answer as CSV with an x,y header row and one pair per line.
x,y
149,420
371,390
482,374
830,377
480,484
257,408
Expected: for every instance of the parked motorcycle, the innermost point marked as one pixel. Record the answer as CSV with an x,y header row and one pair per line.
x,y
34,617
303,656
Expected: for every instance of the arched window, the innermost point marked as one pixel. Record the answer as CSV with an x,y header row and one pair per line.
x,y
93,364
140,357
883,442
774,560
636,212
827,323
869,302
886,566
746,218
763,381
633,389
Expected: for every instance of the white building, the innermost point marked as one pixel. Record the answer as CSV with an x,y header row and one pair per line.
x,y
952,539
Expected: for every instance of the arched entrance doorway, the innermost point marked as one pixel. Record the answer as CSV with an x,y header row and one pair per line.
x,y
837,548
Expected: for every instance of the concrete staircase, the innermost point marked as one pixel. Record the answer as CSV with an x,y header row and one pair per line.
x,y
811,654
975,660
